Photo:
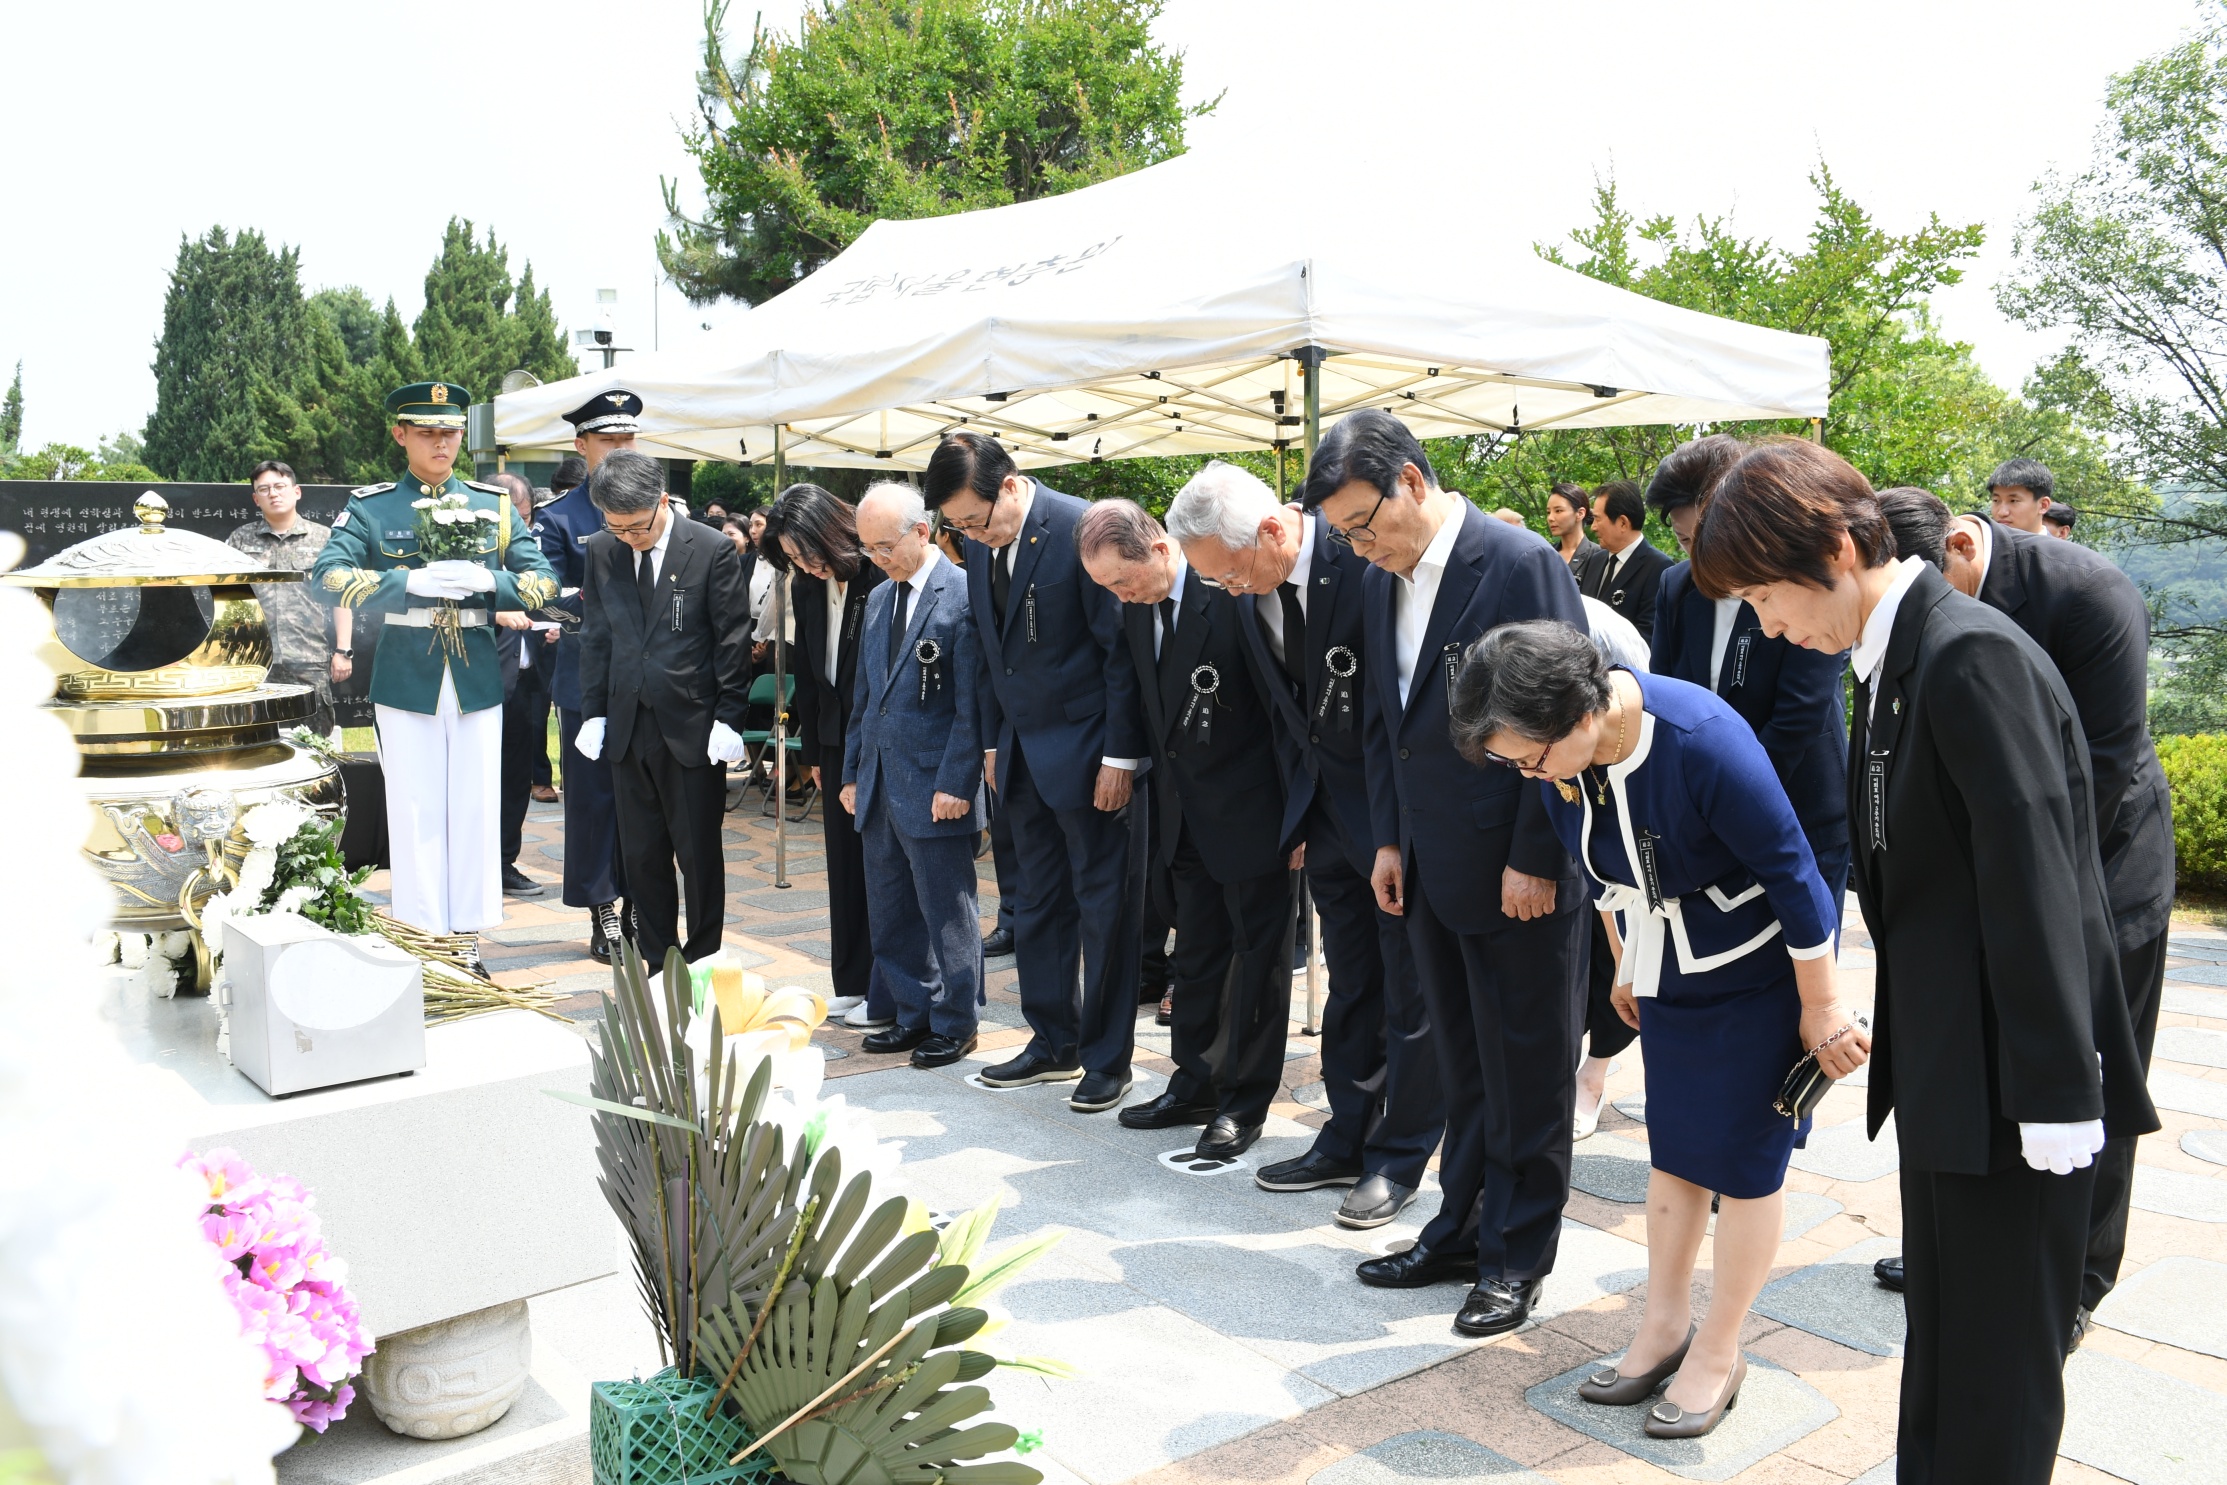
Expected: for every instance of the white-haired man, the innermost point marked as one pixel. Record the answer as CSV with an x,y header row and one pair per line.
x,y
1299,605
912,763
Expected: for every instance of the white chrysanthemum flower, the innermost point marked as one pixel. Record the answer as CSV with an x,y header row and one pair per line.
x,y
275,822
291,900
256,873
421,504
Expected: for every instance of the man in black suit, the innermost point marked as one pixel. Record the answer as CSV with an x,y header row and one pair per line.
x,y
1217,794
2091,620
1495,912
2002,1046
664,661
812,535
1062,738
1630,567
1300,603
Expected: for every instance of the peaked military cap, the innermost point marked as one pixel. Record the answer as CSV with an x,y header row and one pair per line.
x,y
429,404
614,411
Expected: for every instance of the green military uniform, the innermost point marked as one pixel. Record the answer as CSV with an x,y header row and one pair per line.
x,y
374,546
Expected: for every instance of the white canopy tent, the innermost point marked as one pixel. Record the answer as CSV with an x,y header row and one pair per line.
x,y
1176,311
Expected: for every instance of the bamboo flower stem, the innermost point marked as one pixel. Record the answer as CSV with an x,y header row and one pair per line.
x,y
832,1388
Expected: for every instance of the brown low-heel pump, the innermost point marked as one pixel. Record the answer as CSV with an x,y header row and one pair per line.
x,y
1666,1420
1611,1388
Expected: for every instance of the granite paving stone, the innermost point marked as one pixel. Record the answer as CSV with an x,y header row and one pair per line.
x,y
1776,1409
2139,1424
2183,1001
798,865
1878,1474
1610,1167
2187,1095
2194,946
542,933
1840,1300
2198,1044
1633,1108
1844,1153
2206,1144
1424,1458
1805,1209
780,900
2179,1300
2209,973
781,928
2180,1194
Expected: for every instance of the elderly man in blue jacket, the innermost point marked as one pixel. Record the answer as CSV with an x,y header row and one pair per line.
x,y
912,764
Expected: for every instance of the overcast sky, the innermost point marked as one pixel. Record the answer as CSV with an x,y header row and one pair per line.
x,y
354,131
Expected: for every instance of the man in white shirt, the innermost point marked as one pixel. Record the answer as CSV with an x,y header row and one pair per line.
x,y
1467,856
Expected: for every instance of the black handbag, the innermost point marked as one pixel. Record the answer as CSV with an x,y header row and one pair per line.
x,y
1806,1083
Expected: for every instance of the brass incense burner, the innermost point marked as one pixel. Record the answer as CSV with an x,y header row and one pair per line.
x,y
165,687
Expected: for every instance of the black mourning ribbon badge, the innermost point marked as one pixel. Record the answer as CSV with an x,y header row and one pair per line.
x,y
930,656
1198,713
1335,705
1452,656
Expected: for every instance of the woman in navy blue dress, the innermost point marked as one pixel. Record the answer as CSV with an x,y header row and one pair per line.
x,y
1664,795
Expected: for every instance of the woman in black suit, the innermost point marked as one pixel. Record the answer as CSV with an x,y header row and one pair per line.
x,y
2002,1044
812,535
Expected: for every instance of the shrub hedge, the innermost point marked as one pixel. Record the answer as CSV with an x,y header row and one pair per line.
x,y
2196,771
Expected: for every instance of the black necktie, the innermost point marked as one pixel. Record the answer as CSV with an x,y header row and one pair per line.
x,y
645,581
897,626
1001,582
1295,634
1167,626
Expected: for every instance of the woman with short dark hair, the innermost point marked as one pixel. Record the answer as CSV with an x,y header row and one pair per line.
x,y
813,535
2004,1050
1672,807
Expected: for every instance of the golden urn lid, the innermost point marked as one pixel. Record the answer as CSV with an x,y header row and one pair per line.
x,y
148,555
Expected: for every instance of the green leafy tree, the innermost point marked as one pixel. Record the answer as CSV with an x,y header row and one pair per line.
x,y
909,108
11,415
477,324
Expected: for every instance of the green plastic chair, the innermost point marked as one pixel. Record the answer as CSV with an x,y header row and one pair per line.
x,y
757,744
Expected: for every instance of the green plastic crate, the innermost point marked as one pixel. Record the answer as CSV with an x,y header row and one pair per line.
x,y
654,1433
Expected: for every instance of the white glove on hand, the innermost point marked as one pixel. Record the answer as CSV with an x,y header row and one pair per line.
x,y
431,582
471,577
2061,1149
725,745
589,739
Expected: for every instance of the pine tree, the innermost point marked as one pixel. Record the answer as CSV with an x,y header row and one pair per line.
x,y
477,325
11,415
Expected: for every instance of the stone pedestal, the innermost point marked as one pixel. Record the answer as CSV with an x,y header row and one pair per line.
x,y
451,1378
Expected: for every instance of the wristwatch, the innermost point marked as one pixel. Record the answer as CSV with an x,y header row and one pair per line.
x,y
345,654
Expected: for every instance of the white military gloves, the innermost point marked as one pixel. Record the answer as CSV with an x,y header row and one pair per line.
x,y
451,579
2061,1149
725,745
589,739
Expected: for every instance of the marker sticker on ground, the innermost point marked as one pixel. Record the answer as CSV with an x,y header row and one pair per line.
x,y
1188,1162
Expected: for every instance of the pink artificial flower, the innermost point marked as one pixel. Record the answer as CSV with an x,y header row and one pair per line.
x,y
231,1232
316,1413
170,842
230,1179
275,1268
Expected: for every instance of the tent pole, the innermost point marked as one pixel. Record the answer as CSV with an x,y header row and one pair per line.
x,y
780,600
1310,362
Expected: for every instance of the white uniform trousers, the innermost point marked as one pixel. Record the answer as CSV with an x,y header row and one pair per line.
x,y
444,785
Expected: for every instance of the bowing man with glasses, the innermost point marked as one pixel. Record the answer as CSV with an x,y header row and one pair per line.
x,y
1299,604
1674,810
1219,792
912,764
1470,859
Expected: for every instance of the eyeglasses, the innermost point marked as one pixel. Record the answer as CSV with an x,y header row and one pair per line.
x,y
883,551
273,489
983,524
1230,579
644,529
1354,535
1518,764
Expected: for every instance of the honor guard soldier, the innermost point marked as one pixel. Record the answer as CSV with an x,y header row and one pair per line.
x,y
593,877
436,683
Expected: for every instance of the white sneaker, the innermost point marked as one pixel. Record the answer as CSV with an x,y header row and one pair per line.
x,y
839,1004
858,1019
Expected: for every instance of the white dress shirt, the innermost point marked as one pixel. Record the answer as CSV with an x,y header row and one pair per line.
x,y
1879,628
1986,544
918,582
838,593
1269,607
1413,599
1728,611
1008,554
655,556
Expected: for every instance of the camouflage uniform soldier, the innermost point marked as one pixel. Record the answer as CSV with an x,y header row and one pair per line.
x,y
301,653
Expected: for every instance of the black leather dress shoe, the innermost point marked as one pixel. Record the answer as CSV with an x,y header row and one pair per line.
x,y
1165,1112
1029,1068
1308,1172
895,1039
517,884
1098,1092
1417,1267
936,1051
1498,1306
1149,991
1374,1202
999,941
2081,1316
1225,1139
1888,1271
